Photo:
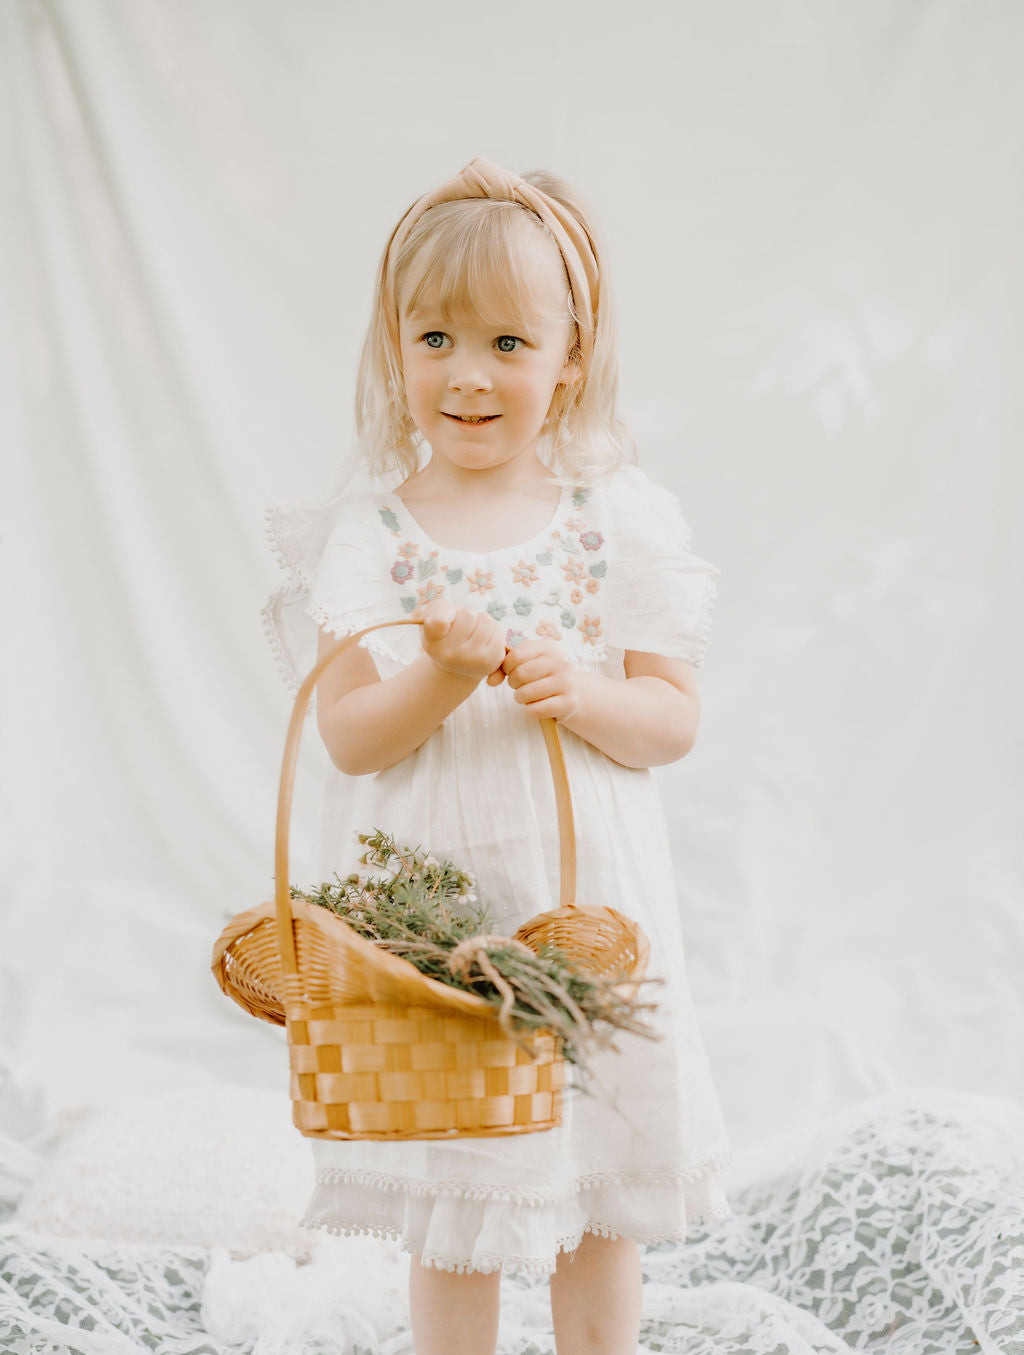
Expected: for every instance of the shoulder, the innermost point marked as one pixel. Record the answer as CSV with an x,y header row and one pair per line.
x,y
361,520
640,513
358,548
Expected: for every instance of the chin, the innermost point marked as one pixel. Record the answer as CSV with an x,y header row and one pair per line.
x,y
470,457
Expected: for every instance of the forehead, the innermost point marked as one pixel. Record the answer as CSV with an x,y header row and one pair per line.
x,y
506,268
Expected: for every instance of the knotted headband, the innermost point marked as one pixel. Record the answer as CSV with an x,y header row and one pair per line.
x,y
481,179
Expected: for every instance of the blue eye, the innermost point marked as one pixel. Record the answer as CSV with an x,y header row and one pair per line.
x,y
435,334
507,343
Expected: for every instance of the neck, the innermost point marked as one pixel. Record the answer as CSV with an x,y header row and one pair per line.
x,y
442,477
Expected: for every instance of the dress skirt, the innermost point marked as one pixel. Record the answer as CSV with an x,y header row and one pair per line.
x,y
642,1138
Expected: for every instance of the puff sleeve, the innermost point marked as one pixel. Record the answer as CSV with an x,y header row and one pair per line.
x,y
334,577
660,596
349,587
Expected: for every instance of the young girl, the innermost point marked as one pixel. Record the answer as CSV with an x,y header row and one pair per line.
x,y
553,579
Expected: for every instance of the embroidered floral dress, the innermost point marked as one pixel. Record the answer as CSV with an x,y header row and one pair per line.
x,y
611,572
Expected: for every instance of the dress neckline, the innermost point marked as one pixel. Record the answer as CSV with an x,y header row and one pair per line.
x,y
542,535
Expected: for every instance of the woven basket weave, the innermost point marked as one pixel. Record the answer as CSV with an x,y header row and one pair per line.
x,y
379,1050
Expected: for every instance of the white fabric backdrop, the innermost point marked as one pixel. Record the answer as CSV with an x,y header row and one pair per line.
x,y
814,215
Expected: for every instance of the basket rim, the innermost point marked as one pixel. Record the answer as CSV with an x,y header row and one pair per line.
x,y
418,988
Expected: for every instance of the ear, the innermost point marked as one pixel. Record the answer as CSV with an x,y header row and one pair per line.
x,y
570,374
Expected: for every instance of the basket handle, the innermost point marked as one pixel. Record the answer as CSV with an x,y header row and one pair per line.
x,y
282,896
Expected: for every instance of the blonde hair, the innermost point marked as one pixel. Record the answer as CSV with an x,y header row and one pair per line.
x,y
467,252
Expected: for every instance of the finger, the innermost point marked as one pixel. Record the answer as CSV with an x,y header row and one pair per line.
x,y
462,628
490,637
531,671
480,624
496,678
542,690
523,652
438,619
555,708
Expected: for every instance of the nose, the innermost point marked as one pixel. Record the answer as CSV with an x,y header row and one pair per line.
x,y
469,374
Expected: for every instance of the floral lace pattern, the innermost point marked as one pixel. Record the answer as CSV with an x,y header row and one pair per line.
x,y
551,588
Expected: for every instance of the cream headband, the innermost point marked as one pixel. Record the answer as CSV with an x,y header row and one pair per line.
x,y
481,179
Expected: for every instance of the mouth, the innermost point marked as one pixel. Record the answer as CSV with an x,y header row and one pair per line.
x,y
470,418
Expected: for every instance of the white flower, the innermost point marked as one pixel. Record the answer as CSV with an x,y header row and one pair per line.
x,y
876,1311
837,1250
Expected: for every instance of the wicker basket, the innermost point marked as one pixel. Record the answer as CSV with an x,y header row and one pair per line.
x,y
379,1050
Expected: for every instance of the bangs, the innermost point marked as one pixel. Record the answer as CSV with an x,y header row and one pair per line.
x,y
492,259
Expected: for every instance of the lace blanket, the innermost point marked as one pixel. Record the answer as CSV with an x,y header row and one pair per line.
x,y
896,1227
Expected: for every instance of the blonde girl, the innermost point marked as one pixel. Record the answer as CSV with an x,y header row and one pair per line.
x,y
553,579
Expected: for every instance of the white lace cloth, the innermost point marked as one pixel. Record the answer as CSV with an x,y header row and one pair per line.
x,y
895,1227
610,571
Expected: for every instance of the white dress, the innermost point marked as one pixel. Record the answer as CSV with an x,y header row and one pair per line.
x,y
612,571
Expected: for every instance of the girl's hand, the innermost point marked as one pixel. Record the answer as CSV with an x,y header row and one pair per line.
x,y
464,643
544,679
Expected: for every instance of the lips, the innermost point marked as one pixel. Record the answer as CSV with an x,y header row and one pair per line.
x,y
471,420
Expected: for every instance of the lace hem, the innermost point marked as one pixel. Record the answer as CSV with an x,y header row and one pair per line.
x,y
375,644
465,1190
283,662
707,608
289,565
489,1263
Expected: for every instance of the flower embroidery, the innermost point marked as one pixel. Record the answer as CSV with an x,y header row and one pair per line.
x,y
591,628
525,591
480,581
429,592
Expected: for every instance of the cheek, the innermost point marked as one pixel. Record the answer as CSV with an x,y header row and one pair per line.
x,y
533,391
417,383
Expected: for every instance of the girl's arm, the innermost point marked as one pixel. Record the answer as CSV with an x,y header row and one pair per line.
x,y
368,723
647,721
